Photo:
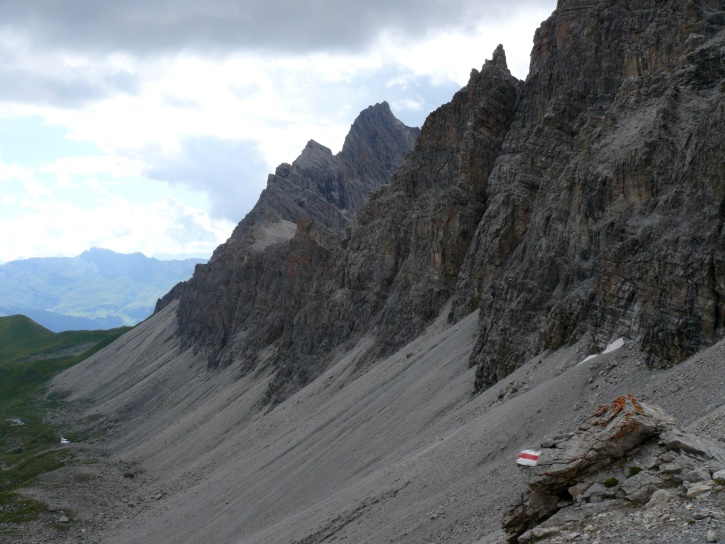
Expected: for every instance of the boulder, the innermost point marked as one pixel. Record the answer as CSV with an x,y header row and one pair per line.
x,y
699,489
608,434
640,488
659,498
626,450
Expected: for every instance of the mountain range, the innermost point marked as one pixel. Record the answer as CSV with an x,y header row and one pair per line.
x,y
98,289
390,326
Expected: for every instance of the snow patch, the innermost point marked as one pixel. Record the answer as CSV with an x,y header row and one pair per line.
x,y
64,440
589,358
614,345
609,349
15,421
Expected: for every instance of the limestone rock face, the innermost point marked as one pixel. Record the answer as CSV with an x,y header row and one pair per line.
x,y
405,248
242,300
400,258
330,188
605,208
291,296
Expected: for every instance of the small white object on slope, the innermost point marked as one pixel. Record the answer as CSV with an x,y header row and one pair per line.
x,y
609,349
614,345
589,358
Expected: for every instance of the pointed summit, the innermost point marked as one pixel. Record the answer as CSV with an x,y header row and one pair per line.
x,y
377,133
499,59
244,287
330,188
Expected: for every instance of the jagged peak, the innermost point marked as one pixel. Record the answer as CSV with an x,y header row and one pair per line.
x,y
499,58
380,107
370,126
283,170
379,113
313,146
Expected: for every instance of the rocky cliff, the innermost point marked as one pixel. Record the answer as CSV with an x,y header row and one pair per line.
x,y
605,207
399,261
585,203
237,306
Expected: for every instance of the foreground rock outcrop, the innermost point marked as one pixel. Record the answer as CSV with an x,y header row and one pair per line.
x,y
626,450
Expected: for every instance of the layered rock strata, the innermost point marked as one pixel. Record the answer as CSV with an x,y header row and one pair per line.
x,y
605,207
245,297
399,261
292,304
404,250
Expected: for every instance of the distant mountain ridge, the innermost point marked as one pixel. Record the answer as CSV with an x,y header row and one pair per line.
x,y
98,289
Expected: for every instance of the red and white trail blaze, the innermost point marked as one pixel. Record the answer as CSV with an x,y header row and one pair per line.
x,y
528,458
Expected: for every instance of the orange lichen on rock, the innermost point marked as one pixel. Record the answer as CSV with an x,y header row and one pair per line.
x,y
617,406
620,403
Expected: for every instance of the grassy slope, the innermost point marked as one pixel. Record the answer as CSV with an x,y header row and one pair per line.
x,y
29,356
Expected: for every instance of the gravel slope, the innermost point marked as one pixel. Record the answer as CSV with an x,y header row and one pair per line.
x,y
395,451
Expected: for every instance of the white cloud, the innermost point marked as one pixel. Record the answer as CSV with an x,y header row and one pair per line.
x,y
47,228
12,173
145,110
67,168
409,104
449,55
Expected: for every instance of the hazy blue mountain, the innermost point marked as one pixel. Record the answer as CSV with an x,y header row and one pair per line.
x,y
97,289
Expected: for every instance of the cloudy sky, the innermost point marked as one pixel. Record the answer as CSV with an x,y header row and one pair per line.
x,y
151,125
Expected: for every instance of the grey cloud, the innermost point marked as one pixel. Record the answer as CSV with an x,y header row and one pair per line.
x,y
370,87
69,90
232,173
54,84
152,26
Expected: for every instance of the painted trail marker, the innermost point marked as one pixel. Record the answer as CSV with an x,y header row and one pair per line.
x,y
528,458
